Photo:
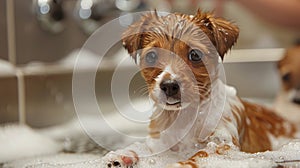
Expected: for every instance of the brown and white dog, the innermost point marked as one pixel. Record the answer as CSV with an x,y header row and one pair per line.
x,y
176,53
287,103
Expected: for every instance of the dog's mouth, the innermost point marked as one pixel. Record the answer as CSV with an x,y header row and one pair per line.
x,y
173,106
172,102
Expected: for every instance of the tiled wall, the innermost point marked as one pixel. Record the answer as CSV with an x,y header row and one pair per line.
x,y
48,97
36,44
8,99
3,31
32,44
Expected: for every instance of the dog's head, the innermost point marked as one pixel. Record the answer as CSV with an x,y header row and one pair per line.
x,y
289,69
174,51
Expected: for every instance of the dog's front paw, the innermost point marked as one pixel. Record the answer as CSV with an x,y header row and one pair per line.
x,y
124,159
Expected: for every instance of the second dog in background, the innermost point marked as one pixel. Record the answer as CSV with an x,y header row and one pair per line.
x,y
287,103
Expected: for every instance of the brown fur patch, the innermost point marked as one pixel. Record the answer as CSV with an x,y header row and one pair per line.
x,y
221,32
255,125
222,149
200,154
189,163
290,65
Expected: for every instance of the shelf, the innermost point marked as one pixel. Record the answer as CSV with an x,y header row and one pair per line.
x,y
67,65
254,55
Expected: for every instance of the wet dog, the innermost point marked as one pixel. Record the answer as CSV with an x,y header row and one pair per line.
x,y
179,56
287,103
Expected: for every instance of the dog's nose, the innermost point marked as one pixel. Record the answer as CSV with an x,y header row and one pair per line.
x,y
296,100
170,88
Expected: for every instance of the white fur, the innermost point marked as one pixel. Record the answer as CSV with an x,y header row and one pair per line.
x,y
286,108
20,141
200,130
157,93
169,70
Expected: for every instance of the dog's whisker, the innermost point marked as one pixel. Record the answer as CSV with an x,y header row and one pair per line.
x,y
142,88
145,93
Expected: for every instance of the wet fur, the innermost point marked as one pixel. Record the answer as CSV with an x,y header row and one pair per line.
x,y
253,123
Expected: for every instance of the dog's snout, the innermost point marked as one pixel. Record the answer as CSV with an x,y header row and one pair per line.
x,y
170,88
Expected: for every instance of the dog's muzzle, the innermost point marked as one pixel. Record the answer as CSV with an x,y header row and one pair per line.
x,y
171,89
296,97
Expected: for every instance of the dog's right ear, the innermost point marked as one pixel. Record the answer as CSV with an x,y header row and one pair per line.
x,y
222,33
132,38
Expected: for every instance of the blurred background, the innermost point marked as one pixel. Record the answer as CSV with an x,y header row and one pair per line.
x,y
39,39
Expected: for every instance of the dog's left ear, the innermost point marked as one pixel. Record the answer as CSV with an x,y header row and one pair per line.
x,y
222,33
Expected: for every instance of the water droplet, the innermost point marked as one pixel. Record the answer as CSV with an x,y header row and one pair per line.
x,y
152,161
281,157
197,145
91,162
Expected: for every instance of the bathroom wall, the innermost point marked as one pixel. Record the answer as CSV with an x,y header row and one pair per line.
x,y
3,31
32,44
35,44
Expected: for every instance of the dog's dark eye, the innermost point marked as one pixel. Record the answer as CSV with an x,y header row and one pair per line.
x,y
195,56
286,77
151,57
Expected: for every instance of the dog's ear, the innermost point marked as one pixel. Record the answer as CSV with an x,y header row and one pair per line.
x,y
132,38
222,33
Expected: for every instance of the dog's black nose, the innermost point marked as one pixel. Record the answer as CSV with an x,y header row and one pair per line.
x,y
296,100
170,88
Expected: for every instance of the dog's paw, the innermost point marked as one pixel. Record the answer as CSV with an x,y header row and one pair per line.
x,y
128,159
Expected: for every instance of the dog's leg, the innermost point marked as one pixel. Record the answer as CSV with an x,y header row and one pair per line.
x,y
221,142
127,157
120,159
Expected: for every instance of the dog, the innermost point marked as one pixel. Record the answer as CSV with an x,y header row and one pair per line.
x,y
287,103
176,53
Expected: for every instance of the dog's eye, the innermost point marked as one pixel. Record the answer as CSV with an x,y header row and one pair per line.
x,y
286,77
195,56
151,57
